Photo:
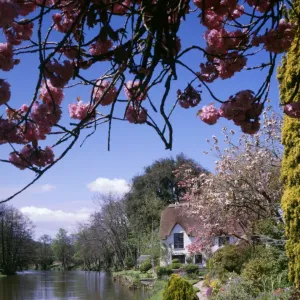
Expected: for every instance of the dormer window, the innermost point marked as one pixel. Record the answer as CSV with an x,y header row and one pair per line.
x,y
178,240
223,240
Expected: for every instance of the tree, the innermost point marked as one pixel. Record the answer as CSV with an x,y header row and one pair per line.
x,y
44,251
154,189
288,76
63,248
245,190
139,46
16,244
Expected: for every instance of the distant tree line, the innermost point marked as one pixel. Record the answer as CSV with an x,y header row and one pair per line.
x,y
117,233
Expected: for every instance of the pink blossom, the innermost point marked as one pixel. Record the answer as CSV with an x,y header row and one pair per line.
x,y
208,72
9,132
231,64
280,39
50,94
79,110
63,23
18,33
4,91
100,88
30,156
59,74
133,92
209,114
45,115
250,127
189,98
27,7
137,115
262,5
70,52
212,20
293,109
8,12
6,57
100,47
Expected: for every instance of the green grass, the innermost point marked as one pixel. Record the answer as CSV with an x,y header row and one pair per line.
x,y
2,276
133,274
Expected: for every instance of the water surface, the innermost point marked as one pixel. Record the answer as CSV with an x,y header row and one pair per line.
x,y
71,285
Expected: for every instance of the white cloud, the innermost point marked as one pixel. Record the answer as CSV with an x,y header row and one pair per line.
x,y
49,221
106,186
42,188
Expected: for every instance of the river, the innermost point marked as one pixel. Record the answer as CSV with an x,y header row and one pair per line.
x,y
71,285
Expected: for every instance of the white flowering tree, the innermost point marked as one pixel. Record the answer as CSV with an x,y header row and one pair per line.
x,y
245,189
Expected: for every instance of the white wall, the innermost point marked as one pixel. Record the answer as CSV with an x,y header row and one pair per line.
x,y
169,242
166,258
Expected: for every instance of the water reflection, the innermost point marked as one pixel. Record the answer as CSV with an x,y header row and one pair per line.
x,y
65,285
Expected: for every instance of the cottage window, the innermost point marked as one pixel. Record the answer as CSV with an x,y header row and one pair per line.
x,y
223,240
178,241
198,259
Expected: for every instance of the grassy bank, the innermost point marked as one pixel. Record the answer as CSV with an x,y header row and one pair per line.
x,y
2,276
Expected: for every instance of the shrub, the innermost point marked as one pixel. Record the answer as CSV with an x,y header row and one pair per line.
x,y
189,260
129,263
236,288
267,269
175,261
145,266
179,289
229,259
175,265
163,271
191,269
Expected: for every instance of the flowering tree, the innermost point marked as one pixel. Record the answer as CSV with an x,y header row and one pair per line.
x,y
137,45
245,189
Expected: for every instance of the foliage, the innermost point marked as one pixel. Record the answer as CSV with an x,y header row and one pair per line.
x,y
45,256
179,289
268,266
175,261
175,265
152,190
245,189
138,46
288,76
230,258
191,269
16,240
235,289
63,248
162,271
145,266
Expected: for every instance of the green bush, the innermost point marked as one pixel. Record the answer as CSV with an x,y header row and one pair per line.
x,y
191,269
229,259
267,269
189,260
175,265
179,289
129,263
175,261
163,271
145,266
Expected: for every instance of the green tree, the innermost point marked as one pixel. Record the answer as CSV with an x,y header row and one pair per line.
x,y
16,244
63,248
44,251
288,76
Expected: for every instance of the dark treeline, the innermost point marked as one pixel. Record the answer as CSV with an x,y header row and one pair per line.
x,y
117,233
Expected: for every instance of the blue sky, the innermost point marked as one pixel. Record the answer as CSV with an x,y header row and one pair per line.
x,y
64,194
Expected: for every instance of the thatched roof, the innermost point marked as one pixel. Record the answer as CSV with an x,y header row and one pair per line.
x,y
177,214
